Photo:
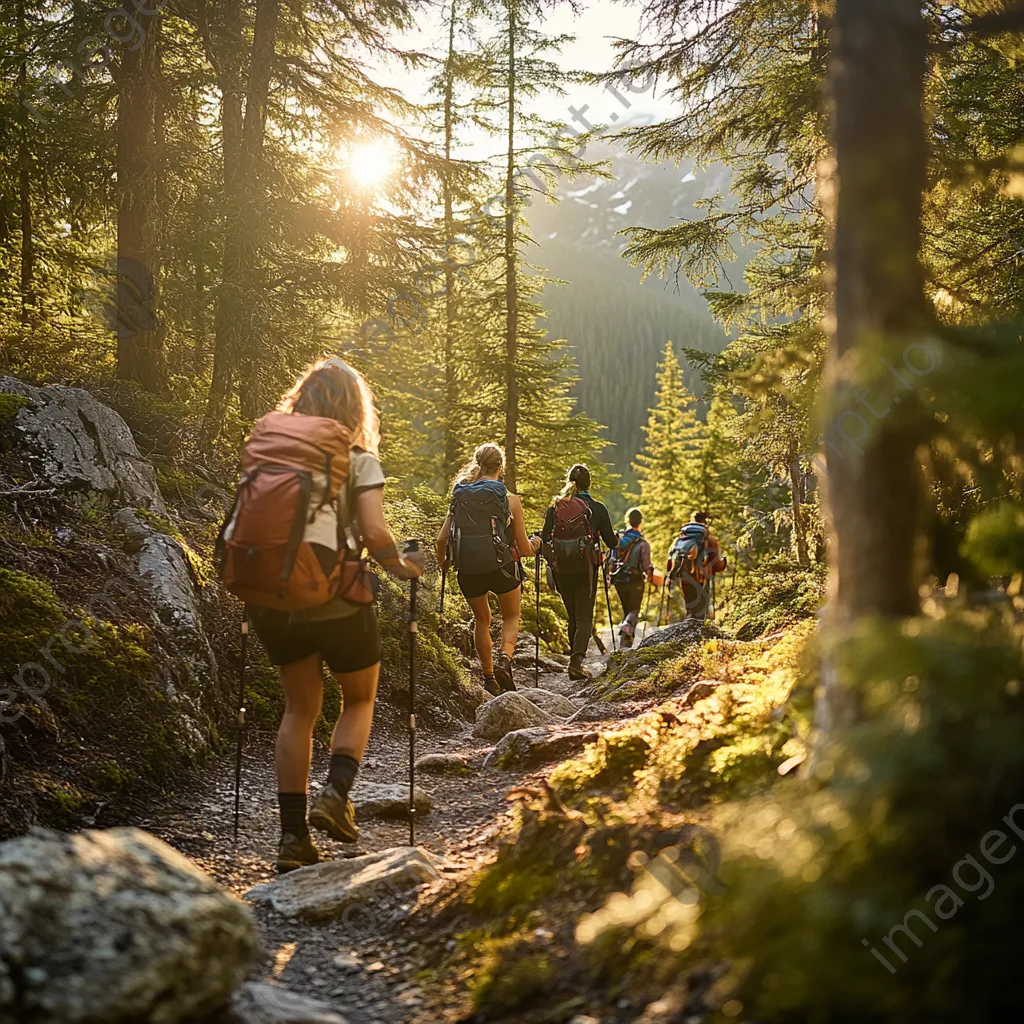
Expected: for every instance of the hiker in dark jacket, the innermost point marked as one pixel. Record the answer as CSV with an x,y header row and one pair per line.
x,y
630,571
574,526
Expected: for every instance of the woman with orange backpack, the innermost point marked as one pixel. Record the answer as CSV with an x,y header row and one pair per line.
x,y
573,526
309,505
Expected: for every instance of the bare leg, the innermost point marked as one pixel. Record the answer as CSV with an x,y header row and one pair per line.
x,y
303,698
482,632
509,604
359,695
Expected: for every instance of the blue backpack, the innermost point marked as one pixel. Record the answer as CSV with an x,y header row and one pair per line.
x,y
481,527
626,559
689,549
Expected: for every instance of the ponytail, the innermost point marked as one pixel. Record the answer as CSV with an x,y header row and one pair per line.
x,y
577,480
487,460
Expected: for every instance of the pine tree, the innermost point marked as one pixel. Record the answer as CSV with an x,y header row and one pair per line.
x,y
669,467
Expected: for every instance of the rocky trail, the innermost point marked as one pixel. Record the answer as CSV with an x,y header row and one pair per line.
x,y
363,961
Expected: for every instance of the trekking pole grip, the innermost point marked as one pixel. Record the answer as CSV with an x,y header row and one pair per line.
x,y
411,547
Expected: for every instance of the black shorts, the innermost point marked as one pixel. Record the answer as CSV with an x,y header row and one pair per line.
x,y
349,644
500,581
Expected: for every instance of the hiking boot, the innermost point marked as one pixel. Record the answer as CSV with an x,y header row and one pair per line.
x,y
335,814
503,673
576,669
625,639
296,851
491,686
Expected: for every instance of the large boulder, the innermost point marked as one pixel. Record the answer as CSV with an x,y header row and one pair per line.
x,y
687,631
528,748
384,800
506,713
552,703
77,445
357,889
114,926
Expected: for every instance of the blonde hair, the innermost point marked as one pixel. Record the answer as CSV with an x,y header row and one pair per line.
x,y
333,389
487,460
578,479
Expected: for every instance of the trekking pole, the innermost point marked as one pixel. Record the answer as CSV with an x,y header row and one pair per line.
x,y
536,628
240,721
444,580
650,588
411,547
608,605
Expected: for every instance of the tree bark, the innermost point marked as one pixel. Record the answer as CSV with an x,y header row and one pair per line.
x,y
244,115
799,526
511,272
451,386
140,337
874,498
28,250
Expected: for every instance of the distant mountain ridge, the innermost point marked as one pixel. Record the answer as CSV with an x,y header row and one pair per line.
x,y
617,325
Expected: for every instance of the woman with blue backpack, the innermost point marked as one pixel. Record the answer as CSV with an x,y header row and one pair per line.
x,y
630,571
484,537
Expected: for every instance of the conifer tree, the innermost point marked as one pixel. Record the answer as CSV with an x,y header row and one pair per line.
x,y
669,467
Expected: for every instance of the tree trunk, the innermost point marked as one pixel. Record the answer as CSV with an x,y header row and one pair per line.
x,y
264,45
140,356
799,526
28,250
225,51
511,271
873,498
451,387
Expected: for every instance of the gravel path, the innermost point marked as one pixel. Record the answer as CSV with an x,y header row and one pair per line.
x,y
366,971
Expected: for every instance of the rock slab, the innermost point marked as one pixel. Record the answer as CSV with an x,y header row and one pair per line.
x,y
553,703
527,748
507,713
381,800
341,888
259,1003
687,631
78,445
116,927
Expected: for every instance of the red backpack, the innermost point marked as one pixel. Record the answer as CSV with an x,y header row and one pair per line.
x,y
263,557
572,548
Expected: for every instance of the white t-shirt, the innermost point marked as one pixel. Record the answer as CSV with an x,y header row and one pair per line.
x,y
365,474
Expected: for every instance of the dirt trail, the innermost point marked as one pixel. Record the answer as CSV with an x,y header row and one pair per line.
x,y
367,973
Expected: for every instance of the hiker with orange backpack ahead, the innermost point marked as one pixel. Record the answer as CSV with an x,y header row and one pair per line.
x,y
308,506
573,527
484,537
694,558
631,571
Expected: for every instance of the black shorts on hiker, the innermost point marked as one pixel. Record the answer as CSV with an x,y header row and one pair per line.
x,y
349,644
500,581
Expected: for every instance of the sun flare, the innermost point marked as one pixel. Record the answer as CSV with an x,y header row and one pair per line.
x,y
370,164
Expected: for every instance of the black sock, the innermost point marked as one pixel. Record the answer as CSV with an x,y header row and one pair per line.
x,y
342,772
293,813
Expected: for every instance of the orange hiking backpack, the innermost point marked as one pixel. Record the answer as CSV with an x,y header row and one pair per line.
x,y
262,552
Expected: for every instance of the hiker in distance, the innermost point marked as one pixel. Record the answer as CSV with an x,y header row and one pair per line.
x,y
630,570
309,594
484,538
573,527
693,560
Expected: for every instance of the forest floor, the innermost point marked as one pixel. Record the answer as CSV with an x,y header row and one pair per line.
x,y
372,978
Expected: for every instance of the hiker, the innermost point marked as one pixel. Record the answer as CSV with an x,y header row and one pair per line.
x,y
573,526
484,537
314,461
694,558
630,570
